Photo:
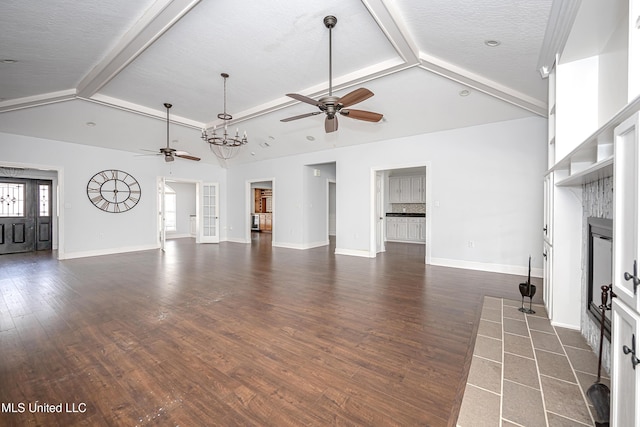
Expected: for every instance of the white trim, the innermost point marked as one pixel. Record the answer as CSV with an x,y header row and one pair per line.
x,y
300,246
489,267
236,240
178,236
372,205
248,195
566,326
354,252
110,251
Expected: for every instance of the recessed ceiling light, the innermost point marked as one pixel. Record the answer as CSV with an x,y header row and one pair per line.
x,y
265,144
310,138
464,92
90,124
492,43
8,61
253,153
271,137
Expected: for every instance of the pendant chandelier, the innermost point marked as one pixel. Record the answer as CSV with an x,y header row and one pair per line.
x,y
224,146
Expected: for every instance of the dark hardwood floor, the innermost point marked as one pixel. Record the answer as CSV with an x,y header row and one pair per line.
x,y
238,335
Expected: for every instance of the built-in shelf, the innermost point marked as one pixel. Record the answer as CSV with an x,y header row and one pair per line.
x,y
593,158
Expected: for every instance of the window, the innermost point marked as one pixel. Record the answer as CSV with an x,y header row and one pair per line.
x,y
170,217
43,198
11,199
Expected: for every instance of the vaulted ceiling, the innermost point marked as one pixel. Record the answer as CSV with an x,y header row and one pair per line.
x,y
65,65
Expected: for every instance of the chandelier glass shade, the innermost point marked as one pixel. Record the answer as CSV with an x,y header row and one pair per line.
x,y
224,145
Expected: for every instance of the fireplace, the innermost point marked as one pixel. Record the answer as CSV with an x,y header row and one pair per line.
x,y
599,267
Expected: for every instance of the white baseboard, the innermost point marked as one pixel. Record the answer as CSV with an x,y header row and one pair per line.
x,y
178,235
566,326
235,240
110,251
354,252
482,266
301,246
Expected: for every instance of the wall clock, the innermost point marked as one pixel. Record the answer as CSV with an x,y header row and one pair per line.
x,y
113,191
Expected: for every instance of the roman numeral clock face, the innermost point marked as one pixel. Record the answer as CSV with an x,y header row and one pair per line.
x,y
113,191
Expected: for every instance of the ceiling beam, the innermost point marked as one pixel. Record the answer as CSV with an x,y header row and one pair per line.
x,y
563,14
161,16
35,100
482,84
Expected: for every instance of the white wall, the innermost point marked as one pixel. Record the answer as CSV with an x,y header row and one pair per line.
x,y
487,180
84,229
316,203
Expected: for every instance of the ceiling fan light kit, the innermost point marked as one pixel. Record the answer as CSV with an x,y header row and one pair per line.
x,y
224,146
332,105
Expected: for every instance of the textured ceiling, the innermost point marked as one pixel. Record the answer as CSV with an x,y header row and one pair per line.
x,y
115,62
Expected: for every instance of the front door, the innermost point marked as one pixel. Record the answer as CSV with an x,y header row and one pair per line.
x,y
25,215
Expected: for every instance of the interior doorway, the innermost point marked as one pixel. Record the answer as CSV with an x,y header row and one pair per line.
x,y
260,198
187,209
400,210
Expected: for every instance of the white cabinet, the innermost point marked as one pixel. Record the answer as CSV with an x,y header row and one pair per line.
x,y
625,378
417,189
403,229
407,189
625,375
394,189
416,229
396,228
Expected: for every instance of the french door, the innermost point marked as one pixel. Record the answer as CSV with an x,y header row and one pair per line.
x,y
209,230
25,215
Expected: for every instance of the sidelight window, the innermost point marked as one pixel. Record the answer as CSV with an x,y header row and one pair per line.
x,y
43,193
11,199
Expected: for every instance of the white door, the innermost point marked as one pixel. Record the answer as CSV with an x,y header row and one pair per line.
x,y
162,233
625,378
379,212
209,227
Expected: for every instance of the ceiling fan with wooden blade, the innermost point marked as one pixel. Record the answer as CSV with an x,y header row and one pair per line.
x,y
333,105
171,153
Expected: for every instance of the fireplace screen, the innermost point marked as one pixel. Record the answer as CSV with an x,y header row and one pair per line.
x,y
599,267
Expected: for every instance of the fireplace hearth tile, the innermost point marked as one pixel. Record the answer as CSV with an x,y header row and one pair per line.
x,y
564,398
583,360
489,348
528,374
554,365
518,345
545,341
540,324
521,370
518,327
572,338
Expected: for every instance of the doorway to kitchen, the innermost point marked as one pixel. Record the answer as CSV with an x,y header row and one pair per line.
x,y
260,204
400,213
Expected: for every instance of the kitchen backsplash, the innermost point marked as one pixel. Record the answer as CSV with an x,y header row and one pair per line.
x,y
408,207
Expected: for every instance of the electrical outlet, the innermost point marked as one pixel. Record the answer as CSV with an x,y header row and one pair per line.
x,y
471,244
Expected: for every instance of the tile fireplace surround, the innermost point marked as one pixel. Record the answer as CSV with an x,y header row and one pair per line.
x,y
526,372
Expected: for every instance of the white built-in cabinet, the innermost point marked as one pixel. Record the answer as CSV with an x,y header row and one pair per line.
x,y
625,375
407,189
406,229
594,99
